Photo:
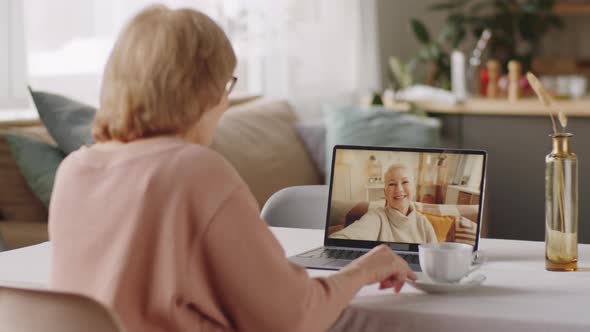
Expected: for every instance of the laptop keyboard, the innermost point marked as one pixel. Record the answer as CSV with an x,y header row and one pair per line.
x,y
349,254
411,259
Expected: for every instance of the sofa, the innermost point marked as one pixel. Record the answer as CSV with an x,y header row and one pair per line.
x,y
257,136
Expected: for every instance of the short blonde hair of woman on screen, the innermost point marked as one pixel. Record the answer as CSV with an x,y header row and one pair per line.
x,y
166,68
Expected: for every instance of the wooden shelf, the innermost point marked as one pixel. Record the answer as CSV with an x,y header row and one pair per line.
x,y
572,8
483,106
19,123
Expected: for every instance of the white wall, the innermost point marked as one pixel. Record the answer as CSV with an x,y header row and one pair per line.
x,y
355,176
475,177
571,42
395,35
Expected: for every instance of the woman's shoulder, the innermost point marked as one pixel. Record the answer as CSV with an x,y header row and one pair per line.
x,y
204,163
162,157
376,214
191,152
376,211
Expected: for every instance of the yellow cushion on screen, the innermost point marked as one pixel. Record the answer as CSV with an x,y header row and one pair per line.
x,y
441,224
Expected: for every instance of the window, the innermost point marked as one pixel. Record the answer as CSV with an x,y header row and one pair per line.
x,y
307,51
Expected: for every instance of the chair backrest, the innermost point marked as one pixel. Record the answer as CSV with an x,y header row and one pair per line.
x,y
297,207
27,310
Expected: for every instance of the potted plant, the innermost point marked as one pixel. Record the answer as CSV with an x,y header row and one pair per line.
x,y
517,27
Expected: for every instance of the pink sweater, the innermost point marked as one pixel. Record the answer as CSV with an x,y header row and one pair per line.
x,y
168,235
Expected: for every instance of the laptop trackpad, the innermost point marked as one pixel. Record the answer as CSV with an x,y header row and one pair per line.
x,y
338,263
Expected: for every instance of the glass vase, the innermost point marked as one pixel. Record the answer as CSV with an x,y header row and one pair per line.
x,y
561,206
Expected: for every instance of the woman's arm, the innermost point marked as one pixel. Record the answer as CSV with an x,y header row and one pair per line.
x,y
257,286
366,228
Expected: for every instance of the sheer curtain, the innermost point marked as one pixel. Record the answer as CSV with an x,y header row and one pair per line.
x,y
13,93
307,51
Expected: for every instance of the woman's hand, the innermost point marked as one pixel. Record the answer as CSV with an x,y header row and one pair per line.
x,y
384,266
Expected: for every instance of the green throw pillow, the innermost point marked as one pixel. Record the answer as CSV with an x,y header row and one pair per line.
x,y
376,126
68,121
37,161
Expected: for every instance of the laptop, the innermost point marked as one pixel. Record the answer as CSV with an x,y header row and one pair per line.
x,y
401,197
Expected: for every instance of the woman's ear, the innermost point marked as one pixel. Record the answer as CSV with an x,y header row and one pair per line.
x,y
203,130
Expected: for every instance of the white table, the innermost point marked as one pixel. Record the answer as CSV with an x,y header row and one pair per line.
x,y
518,295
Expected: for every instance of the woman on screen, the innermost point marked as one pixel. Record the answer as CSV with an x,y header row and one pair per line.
x,y
398,220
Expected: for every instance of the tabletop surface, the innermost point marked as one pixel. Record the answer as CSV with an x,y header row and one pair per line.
x,y
518,294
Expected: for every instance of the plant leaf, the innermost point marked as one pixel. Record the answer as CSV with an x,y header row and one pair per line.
x,y
456,19
479,6
539,89
400,72
451,5
530,8
420,31
545,5
502,7
447,33
424,54
458,38
435,50
542,94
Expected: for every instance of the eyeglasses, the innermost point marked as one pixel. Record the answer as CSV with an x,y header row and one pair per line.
x,y
230,85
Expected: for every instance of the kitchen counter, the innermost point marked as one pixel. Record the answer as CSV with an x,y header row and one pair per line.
x,y
486,106
516,137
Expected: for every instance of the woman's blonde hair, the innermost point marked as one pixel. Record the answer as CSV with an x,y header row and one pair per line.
x,y
166,68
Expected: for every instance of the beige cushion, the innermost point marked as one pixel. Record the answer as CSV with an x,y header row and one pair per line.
x,y
464,231
259,139
467,211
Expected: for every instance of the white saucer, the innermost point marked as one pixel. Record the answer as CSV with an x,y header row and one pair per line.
x,y
423,283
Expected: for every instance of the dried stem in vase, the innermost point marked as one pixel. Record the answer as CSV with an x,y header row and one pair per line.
x,y
546,100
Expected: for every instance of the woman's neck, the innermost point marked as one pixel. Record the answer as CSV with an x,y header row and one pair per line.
x,y
111,145
405,212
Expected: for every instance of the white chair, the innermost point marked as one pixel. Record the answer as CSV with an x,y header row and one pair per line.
x,y
297,207
31,310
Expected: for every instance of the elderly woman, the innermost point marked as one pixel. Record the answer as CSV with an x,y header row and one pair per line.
x,y
398,220
163,230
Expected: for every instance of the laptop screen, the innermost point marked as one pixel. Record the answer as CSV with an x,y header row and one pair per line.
x,y
405,196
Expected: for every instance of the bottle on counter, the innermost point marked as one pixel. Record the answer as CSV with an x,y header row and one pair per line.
x,y
475,69
514,73
561,206
493,67
458,78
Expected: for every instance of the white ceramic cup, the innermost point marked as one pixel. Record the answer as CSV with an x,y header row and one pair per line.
x,y
447,262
